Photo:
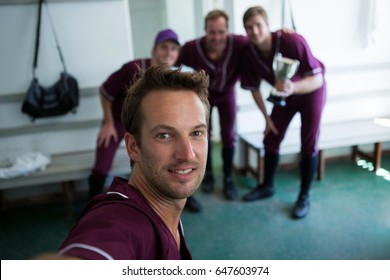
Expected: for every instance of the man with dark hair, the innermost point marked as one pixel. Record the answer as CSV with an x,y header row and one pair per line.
x,y
165,117
218,53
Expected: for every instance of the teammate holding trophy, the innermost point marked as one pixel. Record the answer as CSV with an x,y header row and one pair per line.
x,y
286,62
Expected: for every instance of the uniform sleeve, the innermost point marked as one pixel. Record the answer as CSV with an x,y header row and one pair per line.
x,y
117,232
117,82
250,78
309,65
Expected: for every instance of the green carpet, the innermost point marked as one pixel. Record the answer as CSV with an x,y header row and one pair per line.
x,y
349,219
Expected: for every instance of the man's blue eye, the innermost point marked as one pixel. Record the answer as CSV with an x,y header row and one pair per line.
x,y
198,133
163,135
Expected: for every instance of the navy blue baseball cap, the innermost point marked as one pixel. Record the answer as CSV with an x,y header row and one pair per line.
x,y
166,35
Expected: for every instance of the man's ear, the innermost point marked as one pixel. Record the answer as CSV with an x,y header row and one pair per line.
x,y
131,146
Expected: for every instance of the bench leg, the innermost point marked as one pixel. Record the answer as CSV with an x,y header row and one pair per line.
x,y
256,171
67,192
246,158
375,158
321,165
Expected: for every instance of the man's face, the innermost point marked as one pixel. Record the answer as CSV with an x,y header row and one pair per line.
x,y
174,143
166,53
216,34
257,29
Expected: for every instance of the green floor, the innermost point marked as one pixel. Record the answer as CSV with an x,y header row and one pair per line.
x,y
349,219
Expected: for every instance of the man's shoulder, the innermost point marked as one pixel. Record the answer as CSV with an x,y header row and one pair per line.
x,y
125,195
292,37
238,37
116,208
239,41
122,201
117,230
192,43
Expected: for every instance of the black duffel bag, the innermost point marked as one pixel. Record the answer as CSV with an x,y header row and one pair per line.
x,y
58,99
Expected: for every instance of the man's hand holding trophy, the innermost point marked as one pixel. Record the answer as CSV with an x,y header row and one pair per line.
x,y
284,69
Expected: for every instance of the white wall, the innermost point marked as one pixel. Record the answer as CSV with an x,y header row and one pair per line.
x,y
95,39
181,18
155,13
160,15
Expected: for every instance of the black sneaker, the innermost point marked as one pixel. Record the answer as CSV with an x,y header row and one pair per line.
x,y
193,205
301,208
208,183
259,193
229,190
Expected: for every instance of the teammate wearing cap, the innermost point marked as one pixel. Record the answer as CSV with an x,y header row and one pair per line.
x,y
112,94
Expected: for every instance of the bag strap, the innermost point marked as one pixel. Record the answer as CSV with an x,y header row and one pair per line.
x,y
53,30
37,37
279,32
284,4
278,35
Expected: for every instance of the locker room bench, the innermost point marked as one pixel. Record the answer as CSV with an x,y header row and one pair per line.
x,y
334,135
66,169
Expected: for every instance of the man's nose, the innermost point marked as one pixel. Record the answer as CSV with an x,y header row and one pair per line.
x,y
171,51
219,36
184,149
255,31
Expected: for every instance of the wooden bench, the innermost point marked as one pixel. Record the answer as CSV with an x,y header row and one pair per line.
x,y
334,135
66,169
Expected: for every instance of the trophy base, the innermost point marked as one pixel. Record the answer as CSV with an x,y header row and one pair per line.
x,y
276,100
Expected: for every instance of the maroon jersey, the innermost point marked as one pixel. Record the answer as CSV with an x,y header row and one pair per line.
x,y
256,67
121,225
114,88
223,72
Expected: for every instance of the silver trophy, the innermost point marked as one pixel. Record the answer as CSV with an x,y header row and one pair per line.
x,y
284,68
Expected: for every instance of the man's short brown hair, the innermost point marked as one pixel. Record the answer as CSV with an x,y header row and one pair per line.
x,y
215,14
160,77
254,11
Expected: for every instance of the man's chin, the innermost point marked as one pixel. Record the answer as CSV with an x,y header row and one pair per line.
x,y
188,192
169,63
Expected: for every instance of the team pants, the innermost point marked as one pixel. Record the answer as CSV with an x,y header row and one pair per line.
x,y
310,107
104,156
227,110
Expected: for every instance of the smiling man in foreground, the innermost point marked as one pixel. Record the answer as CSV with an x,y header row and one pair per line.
x,y
165,116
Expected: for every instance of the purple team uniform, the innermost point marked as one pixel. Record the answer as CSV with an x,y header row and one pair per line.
x,y
223,74
114,89
256,67
122,225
